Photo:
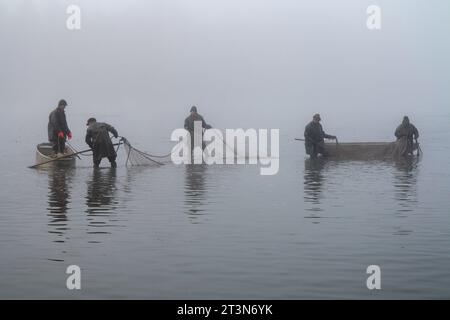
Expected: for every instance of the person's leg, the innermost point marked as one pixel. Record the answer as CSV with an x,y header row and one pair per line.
x,y
192,146
55,145
62,145
112,160
320,148
59,145
96,159
410,146
313,151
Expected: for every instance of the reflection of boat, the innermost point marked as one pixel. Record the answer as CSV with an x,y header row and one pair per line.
x,y
45,153
314,180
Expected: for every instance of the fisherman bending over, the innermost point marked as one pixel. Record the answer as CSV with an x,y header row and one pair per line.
x,y
314,138
97,138
406,133
189,125
57,128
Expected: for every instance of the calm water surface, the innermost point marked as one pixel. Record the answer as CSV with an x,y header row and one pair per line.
x,y
226,231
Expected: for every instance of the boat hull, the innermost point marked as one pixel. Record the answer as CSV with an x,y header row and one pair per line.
x,y
44,153
360,150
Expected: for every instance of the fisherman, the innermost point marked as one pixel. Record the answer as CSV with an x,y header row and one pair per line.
x,y
57,128
189,125
406,133
314,138
97,138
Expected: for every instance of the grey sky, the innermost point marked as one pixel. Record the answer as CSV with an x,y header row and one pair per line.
x,y
244,63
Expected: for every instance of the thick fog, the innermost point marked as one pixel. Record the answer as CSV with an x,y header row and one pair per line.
x,y
140,65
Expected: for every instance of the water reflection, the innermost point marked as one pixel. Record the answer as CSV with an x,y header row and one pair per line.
x,y
195,191
59,184
101,199
405,183
313,180
405,190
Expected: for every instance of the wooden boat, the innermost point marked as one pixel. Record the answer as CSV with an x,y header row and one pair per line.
x,y
44,153
360,150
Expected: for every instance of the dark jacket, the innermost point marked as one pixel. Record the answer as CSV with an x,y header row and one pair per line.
x,y
405,134
56,123
189,122
314,133
314,137
407,130
97,138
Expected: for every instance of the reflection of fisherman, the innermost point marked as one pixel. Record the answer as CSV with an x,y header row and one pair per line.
x,y
314,138
101,191
97,137
58,197
313,180
189,125
57,128
406,133
195,191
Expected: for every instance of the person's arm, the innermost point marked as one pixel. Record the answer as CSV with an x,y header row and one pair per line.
x,y
398,133
63,123
54,120
88,138
63,129
205,125
327,136
307,134
112,130
415,133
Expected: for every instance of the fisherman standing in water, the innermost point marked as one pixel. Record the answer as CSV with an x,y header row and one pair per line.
x,y
314,138
189,125
406,133
97,138
57,128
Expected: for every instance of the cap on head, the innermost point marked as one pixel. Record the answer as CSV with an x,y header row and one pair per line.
x,y
316,116
90,120
194,109
62,103
405,120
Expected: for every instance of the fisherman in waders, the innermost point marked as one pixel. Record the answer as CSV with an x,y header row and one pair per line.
x,y
189,125
406,133
57,128
314,138
97,138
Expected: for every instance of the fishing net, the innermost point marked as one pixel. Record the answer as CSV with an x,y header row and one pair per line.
x,y
137,157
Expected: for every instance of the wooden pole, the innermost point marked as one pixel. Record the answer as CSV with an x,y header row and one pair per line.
x,y
64,156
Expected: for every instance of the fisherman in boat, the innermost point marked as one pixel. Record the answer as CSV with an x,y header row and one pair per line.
x,y
314,138
189,125
406,133
97,138
58,131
